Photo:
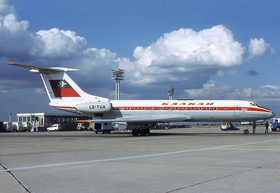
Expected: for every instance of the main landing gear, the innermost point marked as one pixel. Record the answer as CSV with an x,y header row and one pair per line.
x,y
142,130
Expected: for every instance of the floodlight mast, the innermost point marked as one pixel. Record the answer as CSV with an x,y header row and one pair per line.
x,y
118,76
10,116
170,92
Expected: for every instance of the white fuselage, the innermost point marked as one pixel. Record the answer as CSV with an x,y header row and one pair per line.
x,y
183,110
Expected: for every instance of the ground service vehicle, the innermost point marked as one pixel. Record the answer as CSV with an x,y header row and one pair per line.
x,y
103,127
225,126
54,127
275,124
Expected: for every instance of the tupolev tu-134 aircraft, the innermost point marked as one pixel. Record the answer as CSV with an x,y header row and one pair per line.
x,y
66,95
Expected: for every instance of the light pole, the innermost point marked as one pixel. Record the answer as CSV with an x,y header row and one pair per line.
x,y
118,76
10,116
170,92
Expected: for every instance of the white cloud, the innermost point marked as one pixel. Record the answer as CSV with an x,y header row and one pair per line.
x,y
40,91
215,90
45,45
214,46
52,47
60,44
220,73
14,38
259,47
234,73
6,8
211,90
177,55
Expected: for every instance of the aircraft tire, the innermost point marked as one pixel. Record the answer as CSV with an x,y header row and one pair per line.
x,y
143,132
135,132
148,131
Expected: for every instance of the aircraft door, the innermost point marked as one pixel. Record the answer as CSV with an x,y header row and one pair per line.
x,y
237,110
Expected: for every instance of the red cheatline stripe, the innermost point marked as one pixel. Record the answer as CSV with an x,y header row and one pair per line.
x,y
165,108
63,107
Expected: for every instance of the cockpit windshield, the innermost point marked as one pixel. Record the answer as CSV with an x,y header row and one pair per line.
x,y
255,105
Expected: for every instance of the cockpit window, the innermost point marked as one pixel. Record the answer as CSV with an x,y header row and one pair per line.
x,y
254,105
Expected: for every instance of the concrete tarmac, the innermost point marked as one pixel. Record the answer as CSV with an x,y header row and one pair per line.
x,y
178,160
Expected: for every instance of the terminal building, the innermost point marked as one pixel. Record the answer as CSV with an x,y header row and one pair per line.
x,y
40,121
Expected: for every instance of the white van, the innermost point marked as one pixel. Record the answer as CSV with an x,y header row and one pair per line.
x,y
54,127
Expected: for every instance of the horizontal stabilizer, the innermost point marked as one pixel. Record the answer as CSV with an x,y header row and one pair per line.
x,y
42,70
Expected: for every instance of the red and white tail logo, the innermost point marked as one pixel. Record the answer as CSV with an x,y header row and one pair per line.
x,y
61,88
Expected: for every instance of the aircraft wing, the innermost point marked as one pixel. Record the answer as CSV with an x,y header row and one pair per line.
x,y
133,121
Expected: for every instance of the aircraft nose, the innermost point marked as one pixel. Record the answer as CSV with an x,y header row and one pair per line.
x,y
273,114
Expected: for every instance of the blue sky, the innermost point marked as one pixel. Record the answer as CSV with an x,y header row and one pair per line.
x,y
205,49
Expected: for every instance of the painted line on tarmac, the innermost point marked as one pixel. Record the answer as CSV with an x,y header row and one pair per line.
x,y
136,147
140,156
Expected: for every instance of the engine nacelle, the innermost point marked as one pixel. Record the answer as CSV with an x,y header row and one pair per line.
x,y
95,107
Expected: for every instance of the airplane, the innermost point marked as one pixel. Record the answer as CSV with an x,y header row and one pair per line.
x,y
66,95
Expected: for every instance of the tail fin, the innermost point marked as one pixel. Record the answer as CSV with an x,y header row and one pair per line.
x,y
58,84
